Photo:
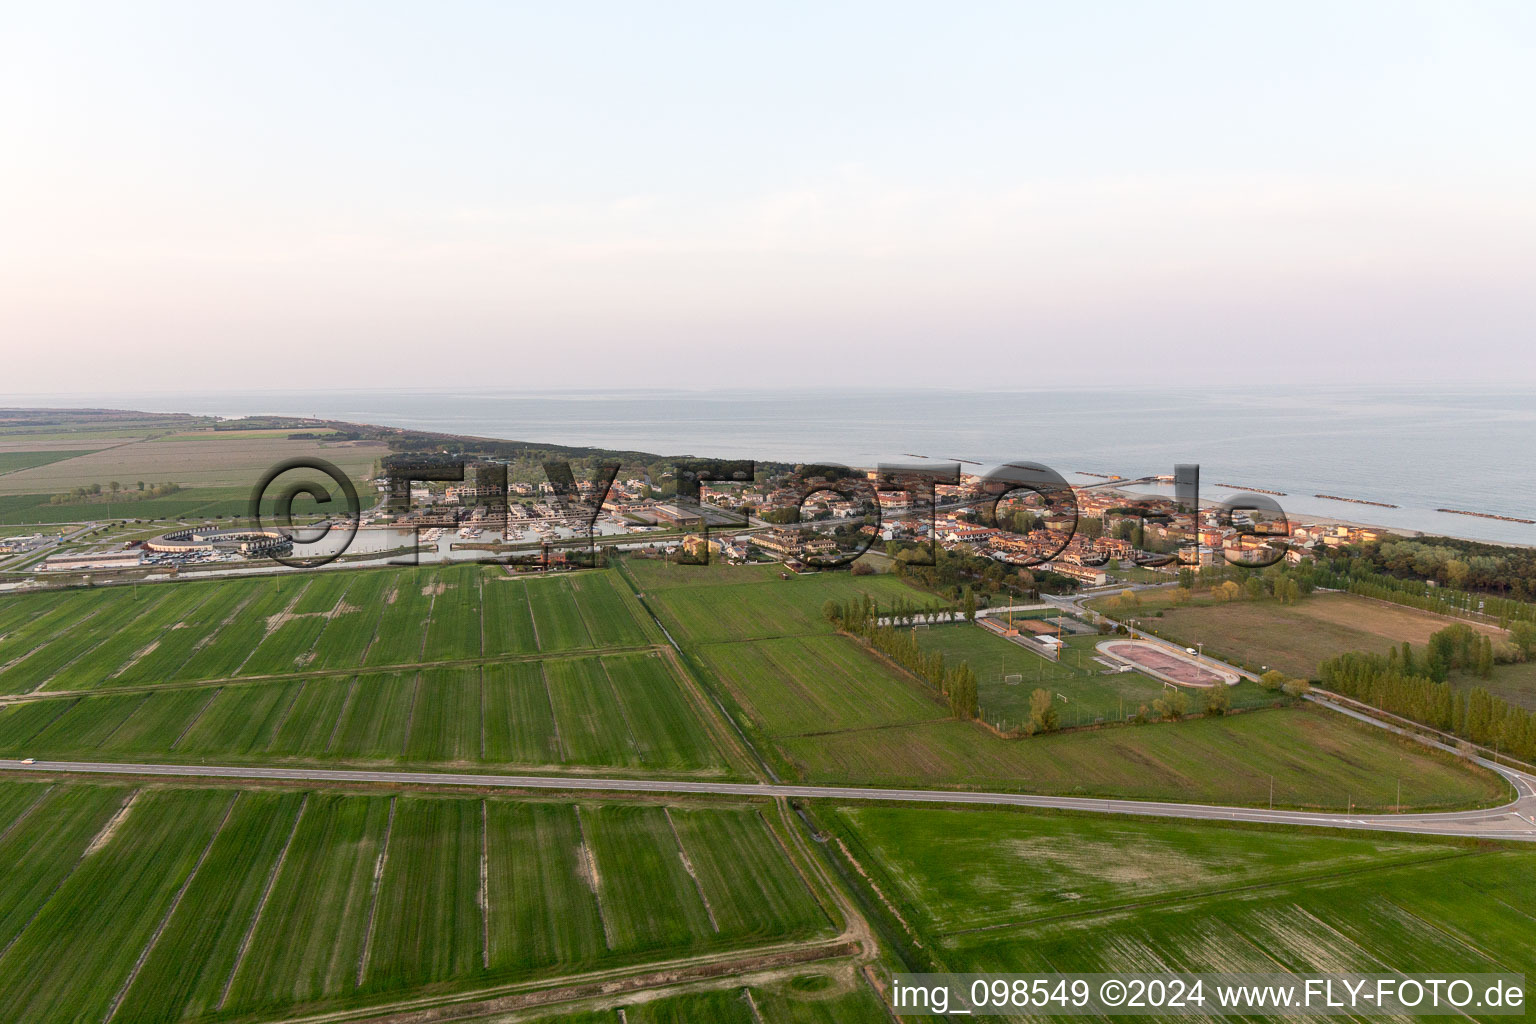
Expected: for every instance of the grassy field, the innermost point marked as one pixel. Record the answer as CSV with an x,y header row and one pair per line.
x,y
214,903
833,713
1515,683
86,639
1292,638
760,605
14,461
807,686
215,460
191,504
618,711
456,665
1317,760
1005,890
1085,693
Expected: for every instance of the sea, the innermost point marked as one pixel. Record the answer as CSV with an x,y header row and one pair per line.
x,y
1419,448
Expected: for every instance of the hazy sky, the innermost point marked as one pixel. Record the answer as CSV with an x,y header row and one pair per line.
x,y
206,195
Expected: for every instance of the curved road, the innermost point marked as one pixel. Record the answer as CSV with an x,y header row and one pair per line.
x,y
1515,820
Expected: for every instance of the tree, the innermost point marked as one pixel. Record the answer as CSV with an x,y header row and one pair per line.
x,y
1217,700
1042,711
1523,636
970,605
829,611
1296,688
1172,705
1456,573
960,686
1274,679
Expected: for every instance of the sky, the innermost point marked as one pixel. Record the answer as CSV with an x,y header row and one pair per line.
x,y
304,195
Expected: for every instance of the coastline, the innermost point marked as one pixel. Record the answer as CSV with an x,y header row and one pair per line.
x,y
1295,518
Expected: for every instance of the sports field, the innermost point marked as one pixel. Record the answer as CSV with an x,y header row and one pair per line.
x,y
166,904
1293,638
1159,661
1085,691
1006,890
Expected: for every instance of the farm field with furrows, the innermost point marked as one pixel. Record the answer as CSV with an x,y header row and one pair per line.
x,y
300,623
238,903
626,711
162,904
1084,692
836,714
1005,890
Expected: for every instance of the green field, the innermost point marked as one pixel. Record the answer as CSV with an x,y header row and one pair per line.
x,y
1317,759
1085,691
89,639
717,610
618,711
169,904
10,462
1515,683
454,665
807,686
224,459
830,712
1019,891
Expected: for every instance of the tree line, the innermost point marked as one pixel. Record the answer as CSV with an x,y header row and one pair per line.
x,y
113,491
861,618
1471,565
1414,686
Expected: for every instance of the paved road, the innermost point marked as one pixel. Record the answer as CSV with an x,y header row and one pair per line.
x,y
1516,820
